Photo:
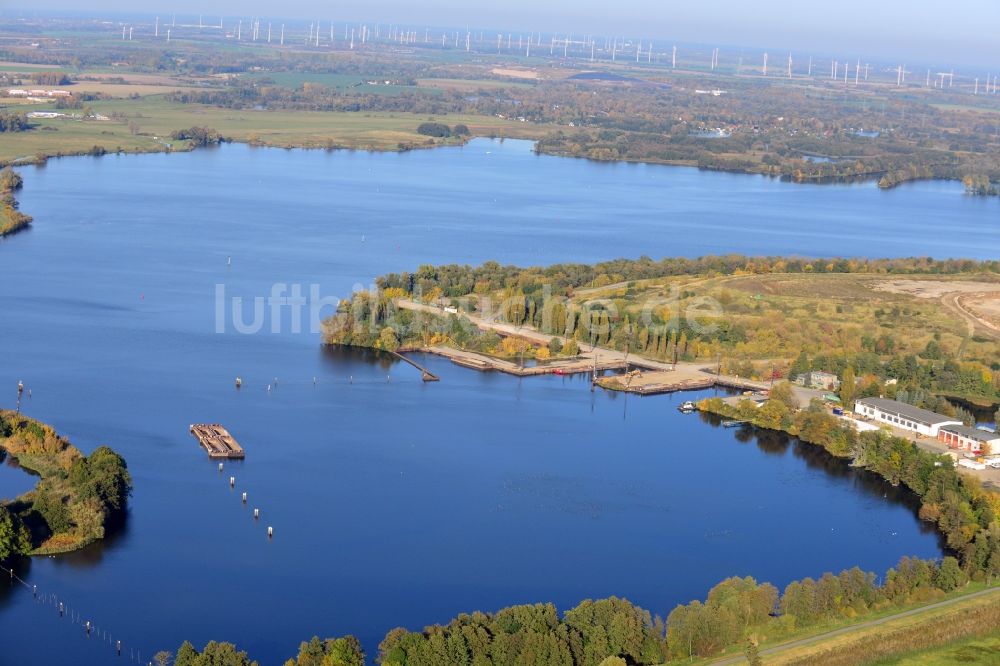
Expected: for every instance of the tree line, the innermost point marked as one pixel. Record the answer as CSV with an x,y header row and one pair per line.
x,y
737,612
14,122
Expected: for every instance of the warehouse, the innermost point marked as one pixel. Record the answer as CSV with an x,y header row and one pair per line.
x,y
903,416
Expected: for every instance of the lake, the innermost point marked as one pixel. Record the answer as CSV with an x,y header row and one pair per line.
x,y
396,502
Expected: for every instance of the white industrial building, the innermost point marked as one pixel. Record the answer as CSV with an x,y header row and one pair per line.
x,y
903,416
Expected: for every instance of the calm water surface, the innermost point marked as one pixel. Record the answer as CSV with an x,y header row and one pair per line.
x,y
395,502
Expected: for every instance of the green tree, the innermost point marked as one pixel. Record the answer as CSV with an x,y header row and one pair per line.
x,y
555,346
949,575
752,652
345,651
14,538
847,387
800,366
214,654
437,130
388,340
782,392
186,654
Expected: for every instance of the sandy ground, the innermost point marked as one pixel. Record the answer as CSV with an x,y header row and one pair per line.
x,y
985,306
935,288
978,303
516,73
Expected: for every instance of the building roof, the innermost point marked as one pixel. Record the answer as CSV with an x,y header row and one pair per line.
x,y
971,433
909,412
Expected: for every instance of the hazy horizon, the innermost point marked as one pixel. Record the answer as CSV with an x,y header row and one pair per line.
x,y
852,29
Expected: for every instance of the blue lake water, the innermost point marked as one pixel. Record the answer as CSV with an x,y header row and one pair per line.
x,y
14,480
395,502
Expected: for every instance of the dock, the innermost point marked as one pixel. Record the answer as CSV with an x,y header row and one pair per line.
x,y
425,374
684,378
485,363
217,441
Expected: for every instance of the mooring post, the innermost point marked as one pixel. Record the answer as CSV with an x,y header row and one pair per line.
x,y
256,514
270,532
34,591
118,646
87,627
232,481
244,497
220,467
61,609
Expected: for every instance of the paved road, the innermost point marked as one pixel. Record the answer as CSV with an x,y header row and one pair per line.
x,y
739,659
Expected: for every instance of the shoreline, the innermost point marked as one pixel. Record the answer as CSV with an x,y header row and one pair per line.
x,y
40,158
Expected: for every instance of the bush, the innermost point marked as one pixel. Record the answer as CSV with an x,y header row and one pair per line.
x,y
198,136
436,130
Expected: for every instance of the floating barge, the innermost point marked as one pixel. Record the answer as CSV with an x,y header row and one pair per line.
x,y
217,441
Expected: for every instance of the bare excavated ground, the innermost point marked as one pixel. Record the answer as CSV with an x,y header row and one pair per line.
x,y
978,303
935,288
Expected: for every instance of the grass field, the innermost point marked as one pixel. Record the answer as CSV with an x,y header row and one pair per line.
x,y
156,118
873,645
973,651
783,313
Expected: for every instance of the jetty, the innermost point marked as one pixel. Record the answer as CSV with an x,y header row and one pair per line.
x,y
425,374
685,377
484,363
217,441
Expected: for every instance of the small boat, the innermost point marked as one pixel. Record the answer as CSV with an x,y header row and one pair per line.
x,y
687,407
732,424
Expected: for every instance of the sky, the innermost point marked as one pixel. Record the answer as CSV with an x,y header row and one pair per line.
x,y
921,30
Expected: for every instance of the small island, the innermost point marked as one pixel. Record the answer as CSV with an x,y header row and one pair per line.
x,y
77,499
